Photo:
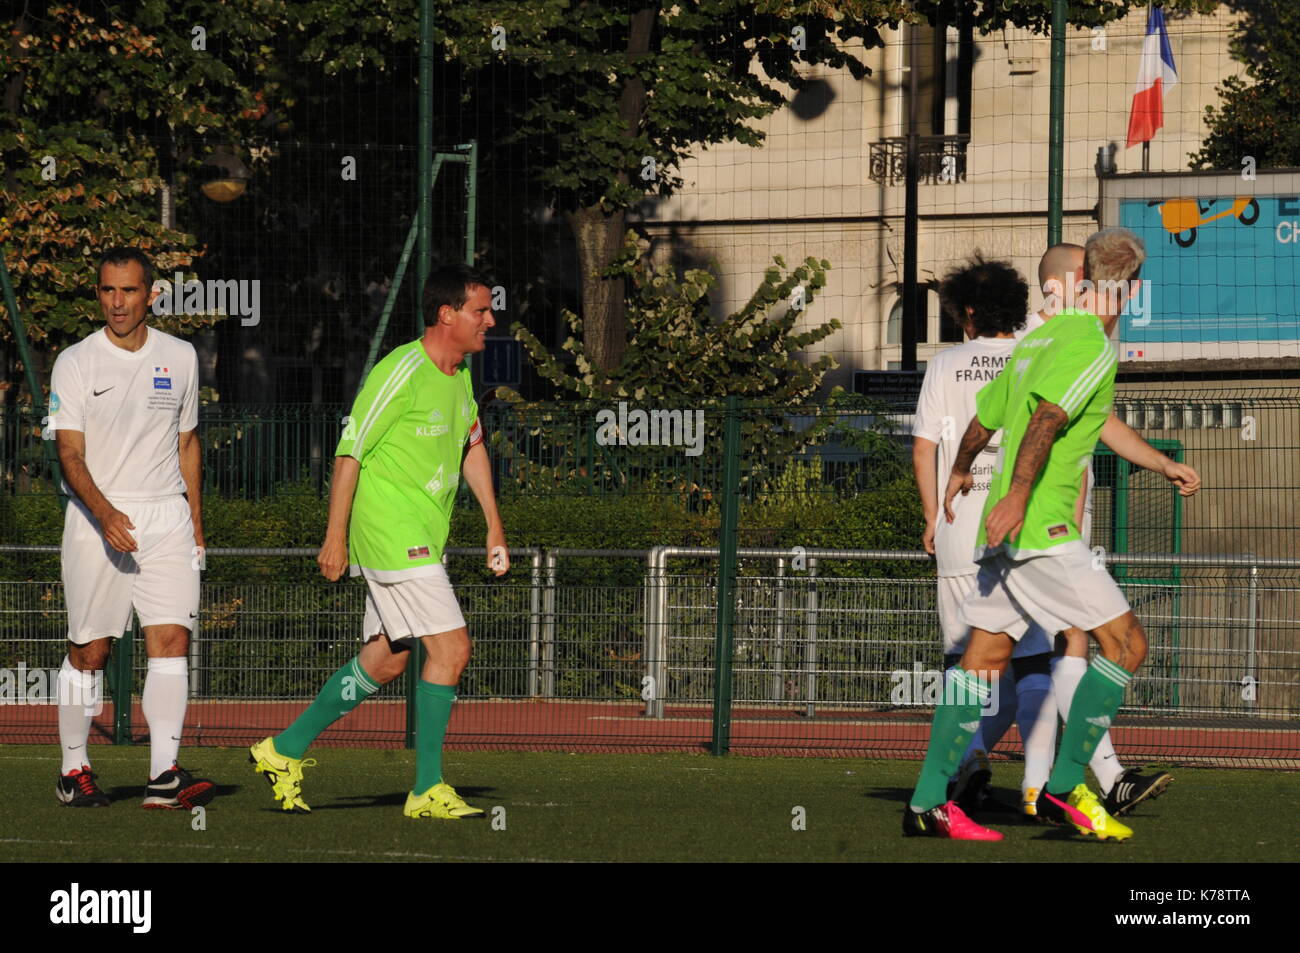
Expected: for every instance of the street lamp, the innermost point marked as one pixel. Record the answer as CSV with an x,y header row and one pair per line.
x,y
228,176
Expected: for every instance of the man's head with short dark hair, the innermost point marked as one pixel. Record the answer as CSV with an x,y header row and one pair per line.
x,y
990,296
449,285
124,289
122,255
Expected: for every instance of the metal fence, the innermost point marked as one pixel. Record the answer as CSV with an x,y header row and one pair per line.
x,y
567,659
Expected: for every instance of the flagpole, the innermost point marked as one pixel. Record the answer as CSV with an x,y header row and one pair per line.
x,y
1146,156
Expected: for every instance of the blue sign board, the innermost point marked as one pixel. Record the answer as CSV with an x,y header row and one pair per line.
x,y
1222,276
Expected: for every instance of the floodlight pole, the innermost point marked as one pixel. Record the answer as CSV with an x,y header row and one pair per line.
x,y
1056,126
424,217
424,248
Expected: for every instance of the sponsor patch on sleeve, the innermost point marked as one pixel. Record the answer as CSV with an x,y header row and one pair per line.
x,y
1057,531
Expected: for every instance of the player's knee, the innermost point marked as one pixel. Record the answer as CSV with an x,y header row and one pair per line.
x,y
388,669
1073,642
91,657
1136,643
1124,642
460,655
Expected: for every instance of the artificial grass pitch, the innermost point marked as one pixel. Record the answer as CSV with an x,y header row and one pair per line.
x,y
604,807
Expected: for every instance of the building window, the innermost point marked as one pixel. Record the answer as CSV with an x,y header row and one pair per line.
x,y
929,307
950,331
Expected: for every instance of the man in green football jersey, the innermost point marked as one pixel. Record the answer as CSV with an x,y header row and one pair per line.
x,y
1050,401
413,429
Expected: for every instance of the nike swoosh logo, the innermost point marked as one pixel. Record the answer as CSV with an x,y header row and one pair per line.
x,y
104,391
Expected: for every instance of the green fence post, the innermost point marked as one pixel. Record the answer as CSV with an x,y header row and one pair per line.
x,y
120,678
413,669
723,641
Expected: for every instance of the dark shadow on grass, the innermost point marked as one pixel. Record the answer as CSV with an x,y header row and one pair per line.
x,y
389,800
136,793
897,795
1002,812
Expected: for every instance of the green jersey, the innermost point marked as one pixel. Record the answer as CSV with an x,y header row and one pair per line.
x,y
408,429
1068,362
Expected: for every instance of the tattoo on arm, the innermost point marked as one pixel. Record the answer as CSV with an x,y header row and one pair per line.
x,y
1048,419
975,439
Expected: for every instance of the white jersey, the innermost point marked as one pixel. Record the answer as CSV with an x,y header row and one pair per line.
x,y
132,407
947,404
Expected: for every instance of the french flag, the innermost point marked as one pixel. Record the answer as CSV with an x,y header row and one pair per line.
x,y
1156,75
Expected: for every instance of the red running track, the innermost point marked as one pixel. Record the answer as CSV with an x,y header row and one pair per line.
x,y
621,727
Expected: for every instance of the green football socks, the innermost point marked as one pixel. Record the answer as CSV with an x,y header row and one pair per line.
x,y
955,720
346,689
432,713
1096,700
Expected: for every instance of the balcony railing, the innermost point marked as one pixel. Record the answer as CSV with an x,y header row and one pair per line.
x,y
941,160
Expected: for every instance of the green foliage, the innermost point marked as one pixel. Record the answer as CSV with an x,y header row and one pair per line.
x,y
98,95
679,357
1260,119
677,352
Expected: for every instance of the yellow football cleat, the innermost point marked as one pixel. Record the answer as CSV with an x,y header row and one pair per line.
x,y
440,801
1084,812
282,773
1029,803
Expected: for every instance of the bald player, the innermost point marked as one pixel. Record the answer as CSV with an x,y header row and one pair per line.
x,y
1059,271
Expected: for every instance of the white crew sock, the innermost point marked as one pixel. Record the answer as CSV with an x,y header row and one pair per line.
x,y
1036,715
166,693
1067,672
78,701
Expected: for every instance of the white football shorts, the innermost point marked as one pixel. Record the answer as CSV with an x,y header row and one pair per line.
x,y
953,590
1056,591
425,605
160,579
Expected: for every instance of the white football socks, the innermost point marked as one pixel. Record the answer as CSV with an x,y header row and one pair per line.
x,y
78,701
166,694
1036,716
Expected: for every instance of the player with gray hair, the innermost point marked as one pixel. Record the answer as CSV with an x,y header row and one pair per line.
x,y
1050,404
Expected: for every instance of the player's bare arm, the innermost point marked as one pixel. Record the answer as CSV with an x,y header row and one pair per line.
x,y
191,457
113,523
927,482
1008,515
478,474
973,441
333,556
1128,443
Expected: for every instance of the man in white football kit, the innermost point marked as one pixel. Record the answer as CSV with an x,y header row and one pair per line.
x,y
988,300
124,409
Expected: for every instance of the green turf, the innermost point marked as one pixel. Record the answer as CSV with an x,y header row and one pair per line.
x,y
595,807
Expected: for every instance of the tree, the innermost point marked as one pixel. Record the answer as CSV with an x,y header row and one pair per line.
x,y
1260,119
677,352
631,88
679,357
94,101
